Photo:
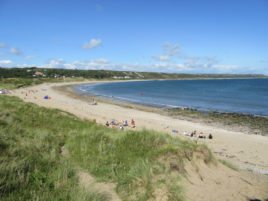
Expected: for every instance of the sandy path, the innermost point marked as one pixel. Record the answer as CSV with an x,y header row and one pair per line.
x,y
246,151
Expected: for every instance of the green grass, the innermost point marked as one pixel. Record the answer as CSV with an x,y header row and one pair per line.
x,y
140,163
31,165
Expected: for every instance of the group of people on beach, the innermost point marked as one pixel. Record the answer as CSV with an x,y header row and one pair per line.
x,y
28,92
201,135
193,134
121,125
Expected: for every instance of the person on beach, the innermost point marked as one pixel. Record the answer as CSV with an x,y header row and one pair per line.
x,y
114,122
133,125
193,134
125,123
201,135
94,102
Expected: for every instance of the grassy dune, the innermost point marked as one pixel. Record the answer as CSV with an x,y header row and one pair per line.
x,y
31,165
141,164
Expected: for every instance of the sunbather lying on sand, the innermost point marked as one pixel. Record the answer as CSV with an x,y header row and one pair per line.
x,y
201,135
113,122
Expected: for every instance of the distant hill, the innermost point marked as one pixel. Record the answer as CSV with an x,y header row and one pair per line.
x,y
31,72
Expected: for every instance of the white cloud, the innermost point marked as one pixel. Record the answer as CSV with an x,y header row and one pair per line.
x,y
200,62
55,63
173,58
97,64
15,51
93,43
10,64
195,65
92,64
5,63
169,51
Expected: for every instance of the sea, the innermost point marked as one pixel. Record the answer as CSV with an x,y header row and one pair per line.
x,y
245,96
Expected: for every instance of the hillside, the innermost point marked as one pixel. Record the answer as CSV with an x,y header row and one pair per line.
x,y
35,72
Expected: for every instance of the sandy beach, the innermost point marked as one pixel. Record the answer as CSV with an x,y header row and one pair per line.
x,y
247,152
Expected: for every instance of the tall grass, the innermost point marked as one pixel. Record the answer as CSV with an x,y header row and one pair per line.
x,y
143,164
31,165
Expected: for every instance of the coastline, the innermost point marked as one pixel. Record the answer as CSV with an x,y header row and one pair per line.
x,y
245,151
232,121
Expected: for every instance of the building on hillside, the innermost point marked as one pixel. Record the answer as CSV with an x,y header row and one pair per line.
x,y
38,73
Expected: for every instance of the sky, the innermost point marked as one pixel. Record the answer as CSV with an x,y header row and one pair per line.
x,y
175,36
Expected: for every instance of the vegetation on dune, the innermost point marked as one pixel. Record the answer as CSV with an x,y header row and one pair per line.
x,y
31,166
142,164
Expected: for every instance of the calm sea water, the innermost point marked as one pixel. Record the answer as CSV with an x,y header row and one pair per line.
x,y
230,95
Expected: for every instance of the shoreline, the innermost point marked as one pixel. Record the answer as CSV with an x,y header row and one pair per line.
x,y
247,123
166,106
245,151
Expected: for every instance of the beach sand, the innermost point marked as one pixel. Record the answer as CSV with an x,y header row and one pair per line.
x,y
247,152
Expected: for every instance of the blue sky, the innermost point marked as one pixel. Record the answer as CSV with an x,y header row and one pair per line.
x,y
190,36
